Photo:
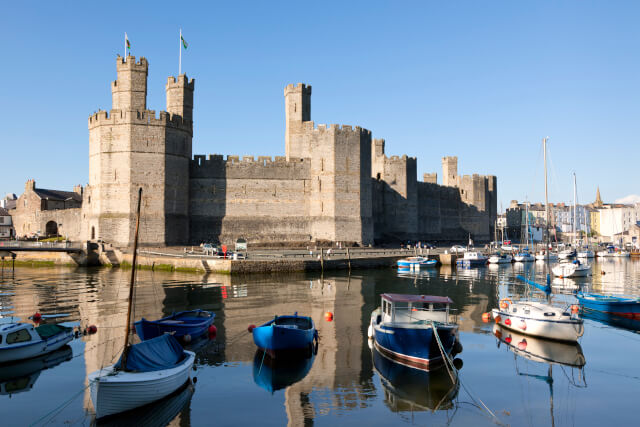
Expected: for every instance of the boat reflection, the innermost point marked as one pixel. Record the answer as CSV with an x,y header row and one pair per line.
x,y
21,376
425,273
409,390
273,373
632,325
566,285
159,413
541,350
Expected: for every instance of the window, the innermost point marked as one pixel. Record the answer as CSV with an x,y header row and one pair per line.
x,y
18,336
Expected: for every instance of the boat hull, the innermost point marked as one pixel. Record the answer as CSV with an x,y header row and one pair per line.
x,y
193,324
561,330
414,347
570,270
471,262
113,391
276,338
35,349
621,307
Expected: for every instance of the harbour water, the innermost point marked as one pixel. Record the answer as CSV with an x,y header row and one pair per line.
x,y
505,378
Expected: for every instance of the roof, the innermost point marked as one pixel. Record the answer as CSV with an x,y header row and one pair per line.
x,y
57,194
417,298
4,212
10,204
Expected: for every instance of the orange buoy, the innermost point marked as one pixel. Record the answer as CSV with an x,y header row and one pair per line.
x,y
328,316
486,317
498,318
504,305
507,321
575,308
251,328
523,325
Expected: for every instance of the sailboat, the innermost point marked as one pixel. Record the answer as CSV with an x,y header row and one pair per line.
x,y
575,268
146,372
524,255
546,254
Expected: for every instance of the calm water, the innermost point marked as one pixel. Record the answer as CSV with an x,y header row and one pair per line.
x,y
345,383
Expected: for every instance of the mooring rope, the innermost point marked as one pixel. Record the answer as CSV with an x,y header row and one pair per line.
x,y
60,407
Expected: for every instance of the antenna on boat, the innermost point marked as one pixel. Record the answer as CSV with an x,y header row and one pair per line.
x,y
125,353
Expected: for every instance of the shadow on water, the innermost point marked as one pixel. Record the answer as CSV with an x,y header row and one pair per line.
x,y
21,376
275,373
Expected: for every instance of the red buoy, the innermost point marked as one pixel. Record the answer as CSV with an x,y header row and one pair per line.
x,y
213,331
251,328
92,329
328,316
508,339
37,317
507,321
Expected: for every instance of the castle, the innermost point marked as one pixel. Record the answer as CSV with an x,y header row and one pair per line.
x,y
335,183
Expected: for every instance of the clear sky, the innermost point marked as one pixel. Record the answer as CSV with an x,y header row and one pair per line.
x,y
482,80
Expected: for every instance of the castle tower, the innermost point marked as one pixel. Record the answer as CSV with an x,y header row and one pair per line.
x,y
129,91
450,171
180,96
297,101
132,147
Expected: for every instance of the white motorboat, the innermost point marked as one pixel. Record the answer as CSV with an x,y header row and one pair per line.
x,y
19,341
500,259
544,255
472,259
524,256
146,372
571,269
566,254
539,319
586,253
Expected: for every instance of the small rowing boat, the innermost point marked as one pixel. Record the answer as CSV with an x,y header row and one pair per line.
x,y
286,333
616,305
192,322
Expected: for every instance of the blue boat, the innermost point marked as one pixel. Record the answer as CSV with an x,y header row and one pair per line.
x,y
414,330
277,373
193,323
615,305
416,262
286,333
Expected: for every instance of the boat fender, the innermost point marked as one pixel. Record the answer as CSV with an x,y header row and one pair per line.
x,y
486,317
213,331
498,318
522,345
457,347
37,317
508,339
370,331
457,363
92,329
507,321
186,338
575,308
328,316
251,328
523,325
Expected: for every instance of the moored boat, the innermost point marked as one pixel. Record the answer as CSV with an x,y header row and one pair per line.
x,y
546,255
415,330
524,256
571,269
500,259
192,322
611,304
416,262
19,341
284,333
539,319
472,259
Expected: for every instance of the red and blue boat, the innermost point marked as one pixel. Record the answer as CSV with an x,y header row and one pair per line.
x,y
193,323
628,307
415,330
286,333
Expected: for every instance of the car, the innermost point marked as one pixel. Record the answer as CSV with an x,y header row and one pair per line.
x,y
456,249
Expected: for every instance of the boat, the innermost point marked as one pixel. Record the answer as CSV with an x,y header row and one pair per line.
x,y
546,255
571,269
146,372
412,390
416,262
20,341
415,330
18,377
524,256
622,254
608,252
286,333
539,320
472,259
585,253
567,253
274,374
628,307
193,323
500,259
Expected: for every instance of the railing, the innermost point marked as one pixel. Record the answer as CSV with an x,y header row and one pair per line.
x,y
9,244
413,314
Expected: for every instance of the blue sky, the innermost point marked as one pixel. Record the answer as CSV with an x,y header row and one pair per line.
x,y
483,80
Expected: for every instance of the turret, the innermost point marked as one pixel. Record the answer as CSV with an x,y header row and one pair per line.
x,y
297,104
180,96
450,171
129,91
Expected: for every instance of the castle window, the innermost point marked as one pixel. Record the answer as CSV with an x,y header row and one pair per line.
x,y
295,108
378,177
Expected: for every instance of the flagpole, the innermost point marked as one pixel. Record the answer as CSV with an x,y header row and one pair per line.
x,y
180,53
125,46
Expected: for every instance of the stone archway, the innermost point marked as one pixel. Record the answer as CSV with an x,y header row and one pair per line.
x,y
51,229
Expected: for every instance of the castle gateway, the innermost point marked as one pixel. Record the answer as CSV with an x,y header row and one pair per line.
x,y
334,183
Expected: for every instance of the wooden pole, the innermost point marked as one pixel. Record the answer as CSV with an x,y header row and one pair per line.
x,y
349,259
322,259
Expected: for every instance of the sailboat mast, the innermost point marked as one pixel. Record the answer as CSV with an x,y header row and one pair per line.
x,y
575,215
131,284
546,193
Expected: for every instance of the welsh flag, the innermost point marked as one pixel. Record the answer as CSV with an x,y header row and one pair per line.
x,y
126,39
184,42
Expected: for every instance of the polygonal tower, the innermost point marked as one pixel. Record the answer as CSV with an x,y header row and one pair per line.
x,y
130,148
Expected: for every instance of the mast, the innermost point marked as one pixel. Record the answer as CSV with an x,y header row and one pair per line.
x,y
575,215
546,194
125,353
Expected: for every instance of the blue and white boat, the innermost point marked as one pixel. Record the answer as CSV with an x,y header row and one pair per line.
x,y
416,262
628,307
414,330
524,256
19,341
472,259
193,323
286,333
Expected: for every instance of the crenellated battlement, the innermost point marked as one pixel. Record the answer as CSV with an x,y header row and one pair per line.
x,y
182,81
247,167
146,117
334,128
129,63
218,160
299,87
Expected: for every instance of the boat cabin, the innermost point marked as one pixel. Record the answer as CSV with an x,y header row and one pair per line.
x,y
474,255
18,333
400,308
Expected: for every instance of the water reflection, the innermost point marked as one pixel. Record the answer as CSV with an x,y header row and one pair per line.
x,y
21,376
273,373
410,390
632,325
